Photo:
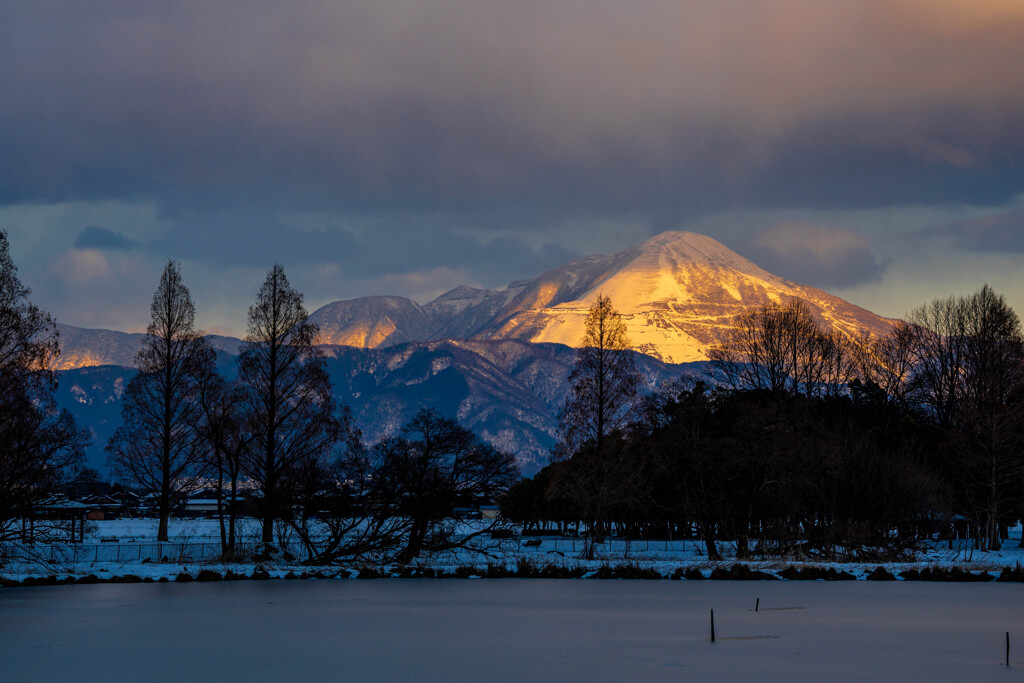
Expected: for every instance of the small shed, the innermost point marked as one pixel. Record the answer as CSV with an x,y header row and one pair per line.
x,y
56,509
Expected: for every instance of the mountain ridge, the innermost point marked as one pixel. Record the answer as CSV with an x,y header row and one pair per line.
x,y
508,391
679,293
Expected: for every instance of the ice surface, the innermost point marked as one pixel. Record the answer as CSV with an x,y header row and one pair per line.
x,y
511,629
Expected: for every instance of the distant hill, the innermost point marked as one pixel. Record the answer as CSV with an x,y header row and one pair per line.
x,y
81,347
508,391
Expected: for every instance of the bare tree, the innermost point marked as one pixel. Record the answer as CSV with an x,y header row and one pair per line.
x,y
605,391
220,426
433,466
286,403
783,348
41,447
890,361
940,354
758,354
157,447
969,379
396,500
605,384
347,511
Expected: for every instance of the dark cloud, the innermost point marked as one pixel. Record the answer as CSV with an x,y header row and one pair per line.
x,y
93,237
1000,232
815,255
659,107
433,143
257,239
410,249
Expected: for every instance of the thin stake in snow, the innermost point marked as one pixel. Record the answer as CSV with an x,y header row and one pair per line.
x,y
1007,648
712,626
757,604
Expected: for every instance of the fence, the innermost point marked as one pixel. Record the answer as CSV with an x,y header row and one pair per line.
x,y
207,549
122,553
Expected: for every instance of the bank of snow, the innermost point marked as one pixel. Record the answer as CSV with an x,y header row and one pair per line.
x,y
126,551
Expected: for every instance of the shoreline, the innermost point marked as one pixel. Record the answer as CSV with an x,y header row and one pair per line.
x,y
175,573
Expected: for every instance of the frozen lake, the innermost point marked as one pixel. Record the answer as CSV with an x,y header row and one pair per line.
x,y
510,629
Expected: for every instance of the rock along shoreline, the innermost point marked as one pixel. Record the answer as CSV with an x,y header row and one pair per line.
x,y
733,572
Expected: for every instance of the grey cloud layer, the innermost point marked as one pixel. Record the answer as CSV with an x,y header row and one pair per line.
x,y
461,135
255,240
670,108
997,232
823,256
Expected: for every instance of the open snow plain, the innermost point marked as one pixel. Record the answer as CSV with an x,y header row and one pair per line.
x,y
512,629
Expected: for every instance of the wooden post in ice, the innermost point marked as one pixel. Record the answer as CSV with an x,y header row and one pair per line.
x,y
712,626
1007,648
757,604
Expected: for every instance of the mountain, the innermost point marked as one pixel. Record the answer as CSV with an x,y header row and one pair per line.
x,y
497,360
509,392
679,293
81,347
372,322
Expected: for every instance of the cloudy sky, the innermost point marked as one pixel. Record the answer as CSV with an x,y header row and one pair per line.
x,y
874,148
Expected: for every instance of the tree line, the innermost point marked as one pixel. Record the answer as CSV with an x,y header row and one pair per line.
x,y
276,427
803,439
266,421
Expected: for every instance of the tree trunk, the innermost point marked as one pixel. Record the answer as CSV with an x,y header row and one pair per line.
x,y
164,508
232,514
269,510
707,531
267,537
742,547
415,544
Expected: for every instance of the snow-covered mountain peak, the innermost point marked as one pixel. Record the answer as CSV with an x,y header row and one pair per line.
x,y
675,249
679,292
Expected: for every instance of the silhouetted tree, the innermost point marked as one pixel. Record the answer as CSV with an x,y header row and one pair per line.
x,y
286,404
604,383
221,428
156,447
692,475
41,447
605,390
396,500
783,348
969,378
433,466
890,362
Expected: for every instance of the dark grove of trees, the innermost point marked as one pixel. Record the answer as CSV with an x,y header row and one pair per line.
x,y
811,442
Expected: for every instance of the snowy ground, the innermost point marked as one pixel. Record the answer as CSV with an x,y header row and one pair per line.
x,y
512,630
128,548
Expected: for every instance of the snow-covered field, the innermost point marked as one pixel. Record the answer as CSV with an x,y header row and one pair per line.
x,y
512,630
128,547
